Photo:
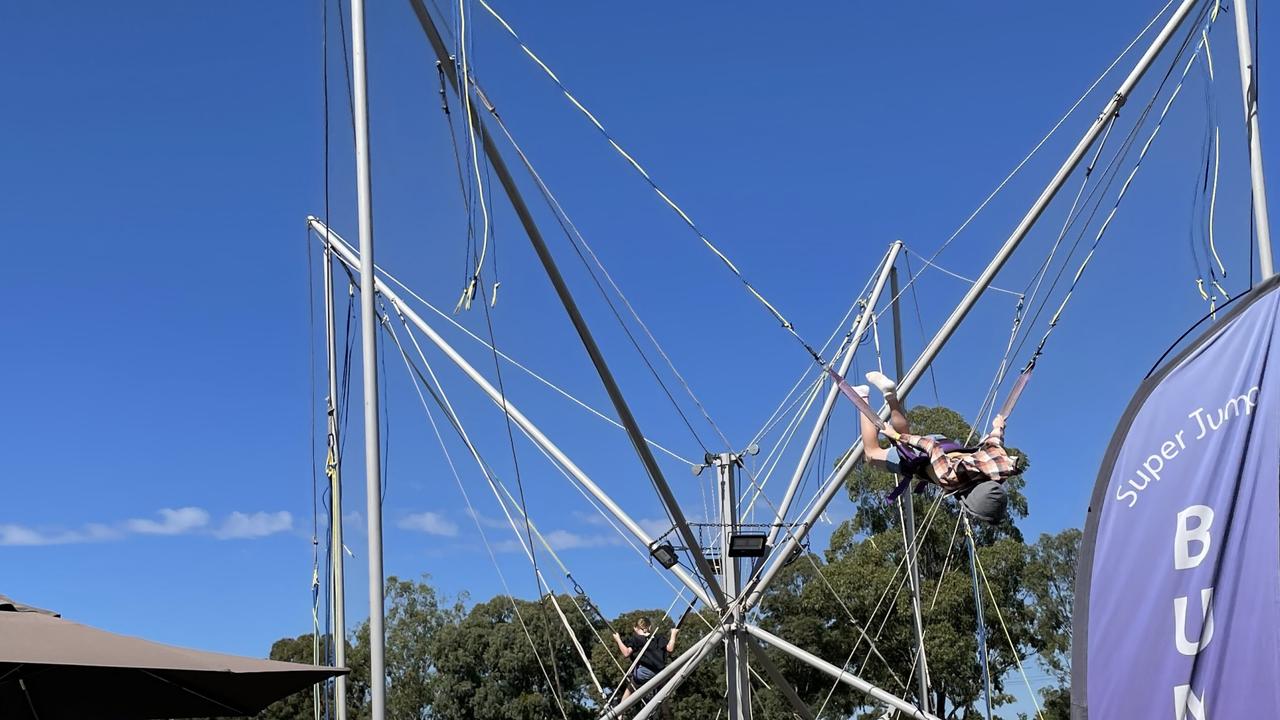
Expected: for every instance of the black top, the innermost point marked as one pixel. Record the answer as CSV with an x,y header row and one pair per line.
x,y
654,657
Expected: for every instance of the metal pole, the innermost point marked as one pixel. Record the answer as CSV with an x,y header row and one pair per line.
x,y
349,257
859,327
909,517
836,482
611,387
1249,86
668,679
333,470
780,681
369,358
736,666
982,623
849,679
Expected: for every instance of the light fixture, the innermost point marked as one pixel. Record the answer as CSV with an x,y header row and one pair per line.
x,y
747,544
665,555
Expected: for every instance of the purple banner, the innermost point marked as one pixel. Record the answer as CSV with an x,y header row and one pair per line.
x,y
1177,611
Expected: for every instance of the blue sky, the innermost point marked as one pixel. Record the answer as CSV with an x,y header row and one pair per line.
x,y
161,159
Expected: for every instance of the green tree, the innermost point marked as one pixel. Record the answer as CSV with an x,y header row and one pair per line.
x,y
300,705
511,659
1051,575
415,614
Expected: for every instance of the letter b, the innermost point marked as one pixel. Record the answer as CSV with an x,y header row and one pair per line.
x,y
1185,535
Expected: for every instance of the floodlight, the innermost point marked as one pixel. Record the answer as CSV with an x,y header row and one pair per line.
x,y
747,544
665,555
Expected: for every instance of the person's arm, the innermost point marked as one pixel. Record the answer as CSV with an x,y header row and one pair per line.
x,y
996,436
671,640
624,648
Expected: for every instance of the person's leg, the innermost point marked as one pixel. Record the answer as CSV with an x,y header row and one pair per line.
x,y
870,433
897,416
888,388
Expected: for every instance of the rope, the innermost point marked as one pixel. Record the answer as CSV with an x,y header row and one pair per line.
x,y
1054,129
442,401
666,198
1124,189
579,243
929,263
929,517
531,373
1000,616
469,290
489,474
915,300
775,455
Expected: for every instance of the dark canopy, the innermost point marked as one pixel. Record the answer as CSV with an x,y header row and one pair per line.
x,y
55,669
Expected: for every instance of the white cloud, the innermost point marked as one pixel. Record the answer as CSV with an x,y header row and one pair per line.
x,y
565,540
431,524
486,521
655,527
21,535
240,526
11,534
560,540
180,521
173,522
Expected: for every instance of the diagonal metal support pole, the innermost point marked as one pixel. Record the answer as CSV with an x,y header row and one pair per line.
x,y
348,256
670,678
779,681
628,420
853,681
836,481
856,332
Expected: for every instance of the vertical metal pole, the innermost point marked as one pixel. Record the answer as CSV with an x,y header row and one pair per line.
x,y
909,515
369,357
333,470
1249,86
860,327
736,658
836,481
982,623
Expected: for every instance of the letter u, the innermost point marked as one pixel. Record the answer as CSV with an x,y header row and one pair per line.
x,y
1185,646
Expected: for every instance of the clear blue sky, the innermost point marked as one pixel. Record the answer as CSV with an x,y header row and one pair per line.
x,y
160,159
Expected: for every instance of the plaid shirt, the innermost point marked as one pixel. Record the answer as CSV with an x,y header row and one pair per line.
x,y
959,471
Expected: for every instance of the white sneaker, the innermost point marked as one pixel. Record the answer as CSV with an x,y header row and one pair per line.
x,y
863,391
882,383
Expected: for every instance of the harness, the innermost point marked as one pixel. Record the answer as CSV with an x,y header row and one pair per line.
x,y
915,463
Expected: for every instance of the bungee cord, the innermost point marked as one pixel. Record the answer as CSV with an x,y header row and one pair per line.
x,y
579,243
1124,188
685,217
469,290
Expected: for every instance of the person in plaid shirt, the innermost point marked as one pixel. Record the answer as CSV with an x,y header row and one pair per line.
x,y
976,474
